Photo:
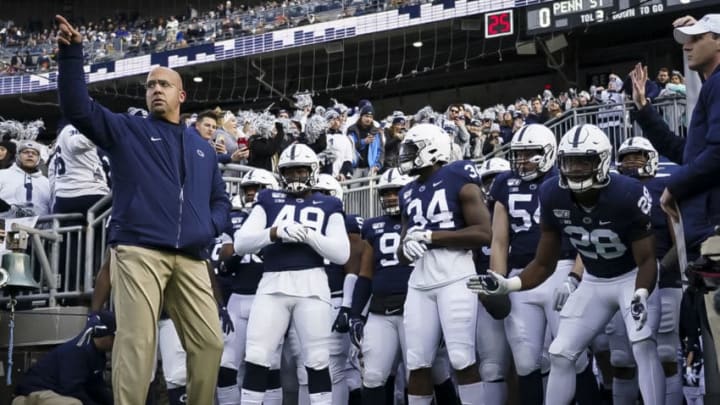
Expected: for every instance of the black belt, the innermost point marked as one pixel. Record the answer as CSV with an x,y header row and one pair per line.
x,y
387,304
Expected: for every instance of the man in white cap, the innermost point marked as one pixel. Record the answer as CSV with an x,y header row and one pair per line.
x,y
699,153
23,184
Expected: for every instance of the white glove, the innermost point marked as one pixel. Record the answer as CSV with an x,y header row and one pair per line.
x,y
638,307
561,293
691,378
419,235
413,249
493,284
292,232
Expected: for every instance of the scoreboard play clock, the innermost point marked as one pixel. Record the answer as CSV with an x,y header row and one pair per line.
x,y
499,23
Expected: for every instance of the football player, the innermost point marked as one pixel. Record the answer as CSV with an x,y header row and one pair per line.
x,y
341,281
240,276
488,171
383,277
607,219
491,342
382,337
515,233
637,158
295,229
444,218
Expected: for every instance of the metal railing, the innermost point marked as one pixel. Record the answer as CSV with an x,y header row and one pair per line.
x,y
615,120
51,251
95,236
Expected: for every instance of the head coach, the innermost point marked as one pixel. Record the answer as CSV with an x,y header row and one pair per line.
x,y
169,202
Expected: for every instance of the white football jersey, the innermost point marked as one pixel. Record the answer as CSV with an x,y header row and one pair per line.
x,y
77,169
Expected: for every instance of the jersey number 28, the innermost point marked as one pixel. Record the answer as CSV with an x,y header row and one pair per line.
x,y
600,242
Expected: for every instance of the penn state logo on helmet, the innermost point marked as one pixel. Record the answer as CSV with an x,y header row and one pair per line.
x,y
327,184
250,185
298,155
389,185
645,167
423,146
532,151
584,153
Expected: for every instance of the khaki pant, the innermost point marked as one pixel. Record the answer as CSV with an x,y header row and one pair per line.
x,y
144,281
45,398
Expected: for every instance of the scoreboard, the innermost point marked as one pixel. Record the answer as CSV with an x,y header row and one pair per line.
x,y
568,14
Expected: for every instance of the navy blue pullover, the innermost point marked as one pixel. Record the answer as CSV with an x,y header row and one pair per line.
x,y
167,189
71,370
696,184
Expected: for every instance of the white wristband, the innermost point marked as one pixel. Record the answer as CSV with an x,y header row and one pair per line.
x,y
348,288
514,283
643,292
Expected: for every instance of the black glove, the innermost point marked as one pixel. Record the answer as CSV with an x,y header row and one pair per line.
x,y
227,323
342,321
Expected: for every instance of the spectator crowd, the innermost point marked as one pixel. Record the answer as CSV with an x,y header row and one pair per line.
x,y
33,47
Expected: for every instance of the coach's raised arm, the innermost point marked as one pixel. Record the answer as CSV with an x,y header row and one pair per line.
x,y
89,117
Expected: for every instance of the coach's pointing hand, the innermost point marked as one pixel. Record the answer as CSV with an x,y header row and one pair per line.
x,y
67,34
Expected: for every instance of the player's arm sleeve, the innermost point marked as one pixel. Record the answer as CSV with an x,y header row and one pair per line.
x,y
657,130
253,235
219,204
334,245
92,119
701,173
363,286
500,239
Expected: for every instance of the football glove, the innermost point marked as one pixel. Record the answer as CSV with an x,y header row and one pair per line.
x,y
342,321
691,378
357,324
292,232
419,235
493,284
413,249
561,293
227,323
638,307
